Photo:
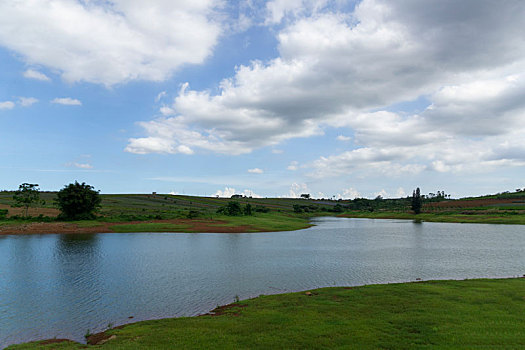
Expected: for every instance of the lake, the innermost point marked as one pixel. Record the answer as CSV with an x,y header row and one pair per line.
x,y
63,285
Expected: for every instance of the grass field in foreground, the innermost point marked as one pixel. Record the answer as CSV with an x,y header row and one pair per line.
x,y
485,313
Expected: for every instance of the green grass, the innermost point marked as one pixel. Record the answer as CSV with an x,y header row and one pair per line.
x,y
122,209
436,314
267,222
477,218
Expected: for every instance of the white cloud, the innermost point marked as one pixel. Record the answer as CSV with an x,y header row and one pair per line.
x,y
475,126
344,70
400,193
167,111
67,101
381,193
255,171
296,190
294,165
343,138
109,42
33,74
27,101
348,193
7,105
160,96
277,10
277,151
229,191
80,165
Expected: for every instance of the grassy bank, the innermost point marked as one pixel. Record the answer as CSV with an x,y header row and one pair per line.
x,y
169,213
486,313
457,217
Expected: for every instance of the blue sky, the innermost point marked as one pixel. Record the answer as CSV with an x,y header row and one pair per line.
x,y
269,98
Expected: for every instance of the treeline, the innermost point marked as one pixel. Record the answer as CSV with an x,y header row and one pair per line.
x,y
75,201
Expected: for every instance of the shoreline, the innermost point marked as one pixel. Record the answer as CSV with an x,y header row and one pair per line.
x,y
414,297
64,227
222,225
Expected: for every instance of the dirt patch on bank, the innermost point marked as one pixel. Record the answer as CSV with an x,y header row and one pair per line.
x,y
231,309
204,226
52,212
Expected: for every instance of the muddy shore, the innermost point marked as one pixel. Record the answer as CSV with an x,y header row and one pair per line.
x,y
203,226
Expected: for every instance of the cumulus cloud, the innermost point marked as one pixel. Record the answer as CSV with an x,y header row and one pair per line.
x,y
382,194
344,70
7,105
229,191
475,126
33,74
109,42
296,189
255,171
27,101
67,101
400,193
348,193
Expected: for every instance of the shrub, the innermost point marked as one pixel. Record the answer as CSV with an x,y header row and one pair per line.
x,y
78,201
261,209
232,209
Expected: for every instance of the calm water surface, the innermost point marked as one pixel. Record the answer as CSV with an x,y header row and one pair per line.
x,y
63,285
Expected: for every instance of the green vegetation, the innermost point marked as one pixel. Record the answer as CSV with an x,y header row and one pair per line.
x,y
78,201
439,314
159,212
416,203
457,217
26,196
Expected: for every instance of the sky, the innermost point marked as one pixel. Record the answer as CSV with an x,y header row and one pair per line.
x,y
335,98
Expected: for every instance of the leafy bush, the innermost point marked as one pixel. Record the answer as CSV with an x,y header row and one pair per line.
x,y
78,202
232,209
248,209
261,209
3,213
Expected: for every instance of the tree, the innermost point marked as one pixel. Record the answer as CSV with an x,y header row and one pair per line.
x,y
232,209
416,201
78,201
305,195
248,209
26,196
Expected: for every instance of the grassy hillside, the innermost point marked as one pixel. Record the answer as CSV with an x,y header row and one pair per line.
x,y
439,314
168,213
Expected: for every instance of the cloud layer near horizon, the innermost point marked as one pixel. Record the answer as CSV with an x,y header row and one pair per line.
x,y
345,71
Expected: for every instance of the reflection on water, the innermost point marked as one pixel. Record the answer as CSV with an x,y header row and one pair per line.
x,y
63,285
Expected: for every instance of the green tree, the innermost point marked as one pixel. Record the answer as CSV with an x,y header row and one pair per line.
x,y
78,201
416,201
26,196
232,209
248,209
